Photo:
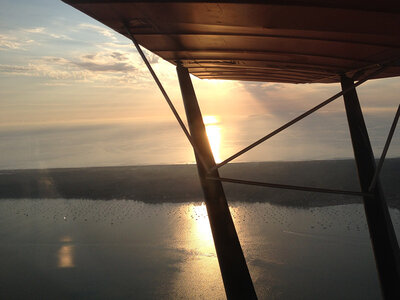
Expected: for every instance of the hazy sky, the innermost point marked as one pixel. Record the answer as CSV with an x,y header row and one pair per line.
x,y
75,93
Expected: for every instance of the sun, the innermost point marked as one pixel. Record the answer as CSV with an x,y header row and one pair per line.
x,y
213,131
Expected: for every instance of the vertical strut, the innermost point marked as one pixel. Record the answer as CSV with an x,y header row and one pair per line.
x,y
383,237
235,274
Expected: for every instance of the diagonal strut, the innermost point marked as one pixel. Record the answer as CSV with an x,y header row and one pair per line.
x,y
297,119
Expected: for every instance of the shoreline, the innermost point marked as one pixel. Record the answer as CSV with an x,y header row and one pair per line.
x,y
179,183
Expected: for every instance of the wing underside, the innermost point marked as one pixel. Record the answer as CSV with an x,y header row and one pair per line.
x,y
294,42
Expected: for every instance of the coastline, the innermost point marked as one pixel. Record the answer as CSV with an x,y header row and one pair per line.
x,y
179,183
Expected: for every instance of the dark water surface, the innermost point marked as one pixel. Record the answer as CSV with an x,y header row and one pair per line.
x,y
122,249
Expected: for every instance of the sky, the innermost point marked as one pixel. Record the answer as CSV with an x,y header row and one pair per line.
x,y
74,93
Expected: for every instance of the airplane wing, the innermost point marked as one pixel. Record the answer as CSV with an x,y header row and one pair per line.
x,y
278,41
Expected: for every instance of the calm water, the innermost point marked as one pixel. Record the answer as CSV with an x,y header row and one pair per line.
x,y
84,249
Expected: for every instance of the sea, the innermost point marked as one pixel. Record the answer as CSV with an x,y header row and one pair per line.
x,y
127,249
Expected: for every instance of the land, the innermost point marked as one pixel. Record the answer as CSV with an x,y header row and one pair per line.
x,y
179,183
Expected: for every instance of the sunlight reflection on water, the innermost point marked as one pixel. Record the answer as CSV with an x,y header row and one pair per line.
x,y
124,249
66,256
200,267
199,218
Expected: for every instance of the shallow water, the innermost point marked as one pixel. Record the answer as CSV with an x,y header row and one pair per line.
x,y
85,249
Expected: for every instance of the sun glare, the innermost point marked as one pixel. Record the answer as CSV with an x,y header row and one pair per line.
x,y
202,224
213,131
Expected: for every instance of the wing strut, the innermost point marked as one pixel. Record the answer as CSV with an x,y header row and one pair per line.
x,y
167,99
235,274
234,271
301,117
382,234
385,149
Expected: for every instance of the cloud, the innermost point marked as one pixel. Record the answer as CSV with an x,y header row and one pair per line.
x,y
13,42
25,38
15,69
113,60
118,56
152,58
47,67
113,67
35,30
45,32
116,45
100,29
105,62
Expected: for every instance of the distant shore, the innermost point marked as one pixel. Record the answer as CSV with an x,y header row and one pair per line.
x,y
179,183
